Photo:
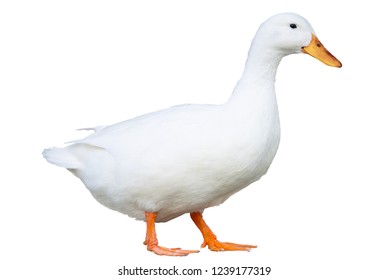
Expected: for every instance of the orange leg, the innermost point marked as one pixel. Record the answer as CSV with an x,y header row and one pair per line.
x,y
210,239
152,241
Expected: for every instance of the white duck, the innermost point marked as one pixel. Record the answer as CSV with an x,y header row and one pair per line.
x,y
184,159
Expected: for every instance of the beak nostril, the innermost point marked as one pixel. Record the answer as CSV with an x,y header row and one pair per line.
x,y
318,45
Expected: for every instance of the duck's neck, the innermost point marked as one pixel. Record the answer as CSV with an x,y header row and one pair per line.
x,y
257,81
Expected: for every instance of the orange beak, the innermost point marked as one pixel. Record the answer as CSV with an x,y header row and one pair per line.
x,y
318,51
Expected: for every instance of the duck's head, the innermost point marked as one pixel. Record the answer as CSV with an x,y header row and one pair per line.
x,y
290,33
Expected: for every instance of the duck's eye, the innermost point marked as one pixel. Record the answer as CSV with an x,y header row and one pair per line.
x,y
293,26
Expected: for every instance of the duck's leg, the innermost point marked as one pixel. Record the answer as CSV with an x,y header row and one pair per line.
x,y
210,239
152,241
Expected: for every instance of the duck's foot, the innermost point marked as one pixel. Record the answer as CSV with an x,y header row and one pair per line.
x,y
152,241
216,245
163,251
210,239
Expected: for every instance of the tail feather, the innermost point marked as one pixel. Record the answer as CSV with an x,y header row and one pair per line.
x,y
61,157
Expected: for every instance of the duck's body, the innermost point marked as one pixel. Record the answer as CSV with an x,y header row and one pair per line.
x,y
177,161
190,157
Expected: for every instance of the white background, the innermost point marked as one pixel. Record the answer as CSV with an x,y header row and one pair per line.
x,y
322,210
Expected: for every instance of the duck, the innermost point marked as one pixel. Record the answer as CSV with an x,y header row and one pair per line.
x,y
187,158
